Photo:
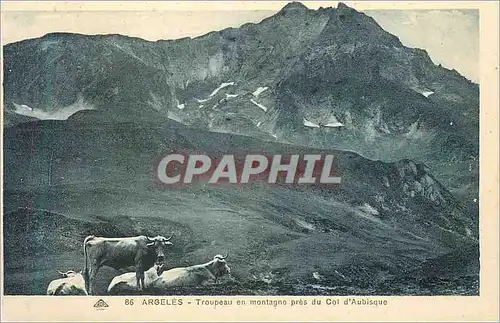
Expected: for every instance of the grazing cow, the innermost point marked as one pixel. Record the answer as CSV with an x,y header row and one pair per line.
x,y
71,283
127,283
141,252
198,275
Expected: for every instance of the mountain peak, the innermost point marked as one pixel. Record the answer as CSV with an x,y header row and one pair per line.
x,y
342,5
345,10
294,6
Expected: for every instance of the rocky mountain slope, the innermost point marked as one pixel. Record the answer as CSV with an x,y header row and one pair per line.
x,y
327,78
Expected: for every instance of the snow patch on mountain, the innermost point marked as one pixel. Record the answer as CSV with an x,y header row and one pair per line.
x,y
424,92
259,90
259,105
180,106
310,124
22,108
333,122
61,114
223,85
305,225
174,117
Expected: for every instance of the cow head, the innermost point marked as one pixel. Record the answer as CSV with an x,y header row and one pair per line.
x,y
220,266
159,244
69,273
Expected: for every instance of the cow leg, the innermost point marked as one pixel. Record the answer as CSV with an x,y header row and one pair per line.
x,y
142,282
139,271
87,282
91,282
94,268
139,275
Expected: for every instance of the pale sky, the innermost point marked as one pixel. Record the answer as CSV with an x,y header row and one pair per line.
x,y
451,37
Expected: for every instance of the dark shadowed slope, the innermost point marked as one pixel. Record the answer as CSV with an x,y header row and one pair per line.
x,y
384,220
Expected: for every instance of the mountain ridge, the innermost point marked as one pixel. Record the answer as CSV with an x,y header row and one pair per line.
x,y
386,101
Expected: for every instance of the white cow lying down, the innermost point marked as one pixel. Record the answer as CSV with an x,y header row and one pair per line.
x,y
198,275
127,283
71,283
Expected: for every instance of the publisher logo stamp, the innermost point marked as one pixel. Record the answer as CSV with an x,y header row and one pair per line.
x,y
101,304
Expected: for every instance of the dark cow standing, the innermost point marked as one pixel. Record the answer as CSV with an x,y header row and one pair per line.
x,y
141,252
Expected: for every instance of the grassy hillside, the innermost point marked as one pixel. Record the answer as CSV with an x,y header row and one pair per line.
x,y
382,222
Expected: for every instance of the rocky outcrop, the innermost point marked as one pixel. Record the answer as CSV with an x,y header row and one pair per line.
x,y
414,180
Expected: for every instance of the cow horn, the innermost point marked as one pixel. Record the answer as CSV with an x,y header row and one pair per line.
x,y
224,257
167,239
150,244
61,273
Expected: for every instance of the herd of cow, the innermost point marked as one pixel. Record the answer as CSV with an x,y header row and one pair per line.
x,y
147,255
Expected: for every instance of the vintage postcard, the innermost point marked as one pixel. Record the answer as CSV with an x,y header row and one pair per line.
x,y
249,161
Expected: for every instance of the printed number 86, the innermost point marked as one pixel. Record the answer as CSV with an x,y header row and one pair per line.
x,y
129,302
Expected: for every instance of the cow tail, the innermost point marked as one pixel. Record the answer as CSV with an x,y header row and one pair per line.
x,y
86,268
